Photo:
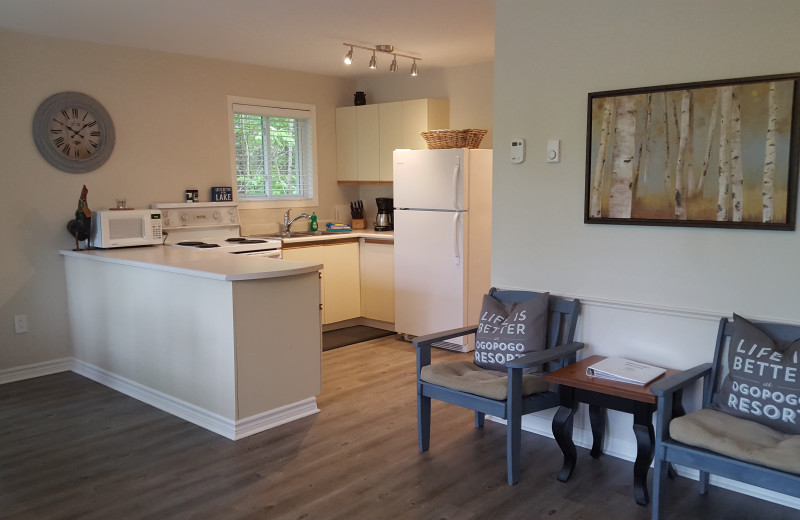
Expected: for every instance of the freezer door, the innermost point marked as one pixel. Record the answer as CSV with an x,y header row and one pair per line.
x,y
429,271
430,179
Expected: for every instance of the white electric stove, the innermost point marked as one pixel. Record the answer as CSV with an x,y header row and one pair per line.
x,y
211,226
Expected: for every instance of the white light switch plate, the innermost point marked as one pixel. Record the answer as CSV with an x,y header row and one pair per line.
x,y
553,151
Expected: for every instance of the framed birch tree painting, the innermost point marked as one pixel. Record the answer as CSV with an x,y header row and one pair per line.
x,y
713,154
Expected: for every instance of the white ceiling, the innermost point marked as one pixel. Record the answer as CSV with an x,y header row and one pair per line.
x,y
305,35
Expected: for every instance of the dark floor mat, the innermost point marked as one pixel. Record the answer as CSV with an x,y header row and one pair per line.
x,y
349,335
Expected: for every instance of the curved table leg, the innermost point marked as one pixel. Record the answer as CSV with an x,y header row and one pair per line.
x,y
597,419
645,440
562,431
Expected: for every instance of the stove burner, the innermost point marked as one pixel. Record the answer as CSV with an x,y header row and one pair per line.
x,y
241,240
206,246
190,244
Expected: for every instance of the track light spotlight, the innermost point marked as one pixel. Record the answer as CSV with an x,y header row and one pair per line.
x,y
373,61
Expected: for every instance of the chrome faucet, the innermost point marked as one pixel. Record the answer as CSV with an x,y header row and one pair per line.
x,y
287,224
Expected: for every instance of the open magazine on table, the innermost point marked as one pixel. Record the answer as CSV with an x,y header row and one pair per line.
x,y
625,371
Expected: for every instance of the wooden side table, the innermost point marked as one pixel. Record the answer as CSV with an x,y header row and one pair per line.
x,y
600,394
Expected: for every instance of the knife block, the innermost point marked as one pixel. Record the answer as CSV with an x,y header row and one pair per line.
x,y
358,223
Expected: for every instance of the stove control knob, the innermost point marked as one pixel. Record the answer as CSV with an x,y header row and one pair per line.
x,y
184,218
216,216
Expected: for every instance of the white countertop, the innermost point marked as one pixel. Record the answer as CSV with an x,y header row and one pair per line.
x,y
201,263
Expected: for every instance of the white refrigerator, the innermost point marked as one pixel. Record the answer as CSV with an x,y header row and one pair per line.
x,y
442,240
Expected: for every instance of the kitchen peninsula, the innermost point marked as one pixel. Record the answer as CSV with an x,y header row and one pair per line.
x,y
231,343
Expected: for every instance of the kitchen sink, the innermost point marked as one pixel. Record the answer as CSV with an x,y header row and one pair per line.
x,y
299,234
305,233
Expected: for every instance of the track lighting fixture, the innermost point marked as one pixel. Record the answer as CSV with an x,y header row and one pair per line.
x,y
373,62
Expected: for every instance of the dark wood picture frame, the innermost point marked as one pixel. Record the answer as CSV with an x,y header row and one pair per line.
x,y
709,154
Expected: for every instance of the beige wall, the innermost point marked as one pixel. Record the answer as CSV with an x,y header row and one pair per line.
x,y
170,118
549,56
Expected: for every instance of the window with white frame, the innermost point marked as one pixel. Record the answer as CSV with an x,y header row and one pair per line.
x,y
273,152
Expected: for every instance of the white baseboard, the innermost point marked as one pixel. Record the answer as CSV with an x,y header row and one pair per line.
x,y
194,414
46,368
186,411
291,412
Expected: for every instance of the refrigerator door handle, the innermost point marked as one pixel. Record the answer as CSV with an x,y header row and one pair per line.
x,y
456,252
455,183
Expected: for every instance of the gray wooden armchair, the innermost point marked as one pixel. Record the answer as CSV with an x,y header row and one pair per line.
x,y
711,439
507,395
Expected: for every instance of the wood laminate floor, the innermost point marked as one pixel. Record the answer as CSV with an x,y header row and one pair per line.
x,y
71,448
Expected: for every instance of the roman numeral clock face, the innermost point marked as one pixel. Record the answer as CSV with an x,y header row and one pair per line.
x,y
73,132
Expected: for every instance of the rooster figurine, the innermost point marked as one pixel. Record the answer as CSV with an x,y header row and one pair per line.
x,y
81,226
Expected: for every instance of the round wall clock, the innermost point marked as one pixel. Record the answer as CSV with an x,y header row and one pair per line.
x,y
73,132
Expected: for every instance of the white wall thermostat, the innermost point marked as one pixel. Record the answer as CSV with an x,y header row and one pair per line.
x,y
517,151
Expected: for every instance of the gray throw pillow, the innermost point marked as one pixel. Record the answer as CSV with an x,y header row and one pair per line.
x,y
509,330
763,382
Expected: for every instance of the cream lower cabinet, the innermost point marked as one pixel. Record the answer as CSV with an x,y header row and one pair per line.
x,y
341,285
377,280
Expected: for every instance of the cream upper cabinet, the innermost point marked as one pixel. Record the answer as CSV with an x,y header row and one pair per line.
x,y
420,115
346,144
367,135
391,136
368,132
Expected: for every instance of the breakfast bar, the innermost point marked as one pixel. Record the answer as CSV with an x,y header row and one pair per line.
x,y
231,343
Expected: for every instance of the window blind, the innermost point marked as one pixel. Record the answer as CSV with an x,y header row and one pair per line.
x,y
274,153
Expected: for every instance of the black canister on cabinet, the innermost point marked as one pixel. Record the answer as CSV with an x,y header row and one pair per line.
x,y
359,98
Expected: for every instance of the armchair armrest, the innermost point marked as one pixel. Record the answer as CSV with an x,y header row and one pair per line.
x,y
543,356
677,382
428,339
423,343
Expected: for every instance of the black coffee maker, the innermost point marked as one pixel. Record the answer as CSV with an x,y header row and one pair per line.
x,y
384,221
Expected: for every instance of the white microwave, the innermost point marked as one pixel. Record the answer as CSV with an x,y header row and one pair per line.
x,y
126,228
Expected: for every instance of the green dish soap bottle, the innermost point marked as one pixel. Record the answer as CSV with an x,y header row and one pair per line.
x,y
314,225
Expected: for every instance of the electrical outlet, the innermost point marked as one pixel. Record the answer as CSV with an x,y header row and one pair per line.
x,y
21,323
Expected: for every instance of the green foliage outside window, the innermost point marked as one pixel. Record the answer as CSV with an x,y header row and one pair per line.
x,y
269,162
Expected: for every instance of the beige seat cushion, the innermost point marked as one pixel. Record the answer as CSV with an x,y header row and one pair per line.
x,y
738,438
465,376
